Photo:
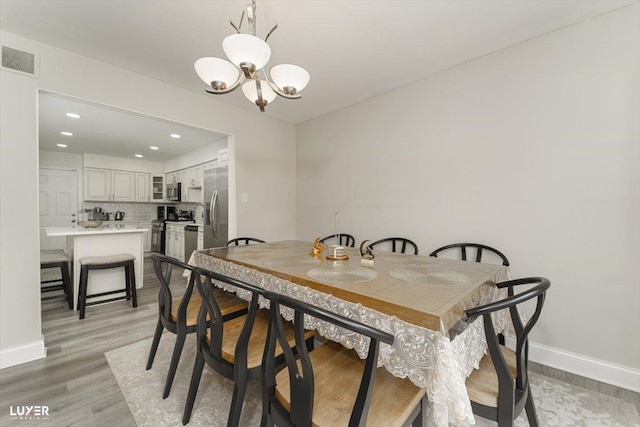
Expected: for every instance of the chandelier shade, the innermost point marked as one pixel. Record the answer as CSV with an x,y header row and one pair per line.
x,y
216,72
290,76
250,90
245,48
249,55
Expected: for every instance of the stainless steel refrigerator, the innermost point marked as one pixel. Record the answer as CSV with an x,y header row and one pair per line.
x,y
216,198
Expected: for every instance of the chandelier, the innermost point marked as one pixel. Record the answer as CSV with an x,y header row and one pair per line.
x,y
249,55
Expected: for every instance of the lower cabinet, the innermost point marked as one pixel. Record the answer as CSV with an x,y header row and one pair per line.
x,y
200,238
174,241
146,237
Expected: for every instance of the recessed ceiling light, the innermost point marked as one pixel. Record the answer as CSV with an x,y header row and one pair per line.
x,y
73,115
175,135
62,145
154,148
139,155
66,133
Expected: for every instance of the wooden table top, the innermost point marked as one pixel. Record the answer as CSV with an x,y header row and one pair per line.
x,y
425,291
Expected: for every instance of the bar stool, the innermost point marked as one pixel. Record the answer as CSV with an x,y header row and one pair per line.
x,y
56,258
101,263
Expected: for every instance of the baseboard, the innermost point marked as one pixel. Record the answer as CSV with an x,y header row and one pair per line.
x,y
24,353
595,369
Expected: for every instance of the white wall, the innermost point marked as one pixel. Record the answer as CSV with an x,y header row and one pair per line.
x,y
54,159
119,163
264,154
533,150
202,155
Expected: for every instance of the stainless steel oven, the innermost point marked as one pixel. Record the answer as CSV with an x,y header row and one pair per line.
x,y
174,192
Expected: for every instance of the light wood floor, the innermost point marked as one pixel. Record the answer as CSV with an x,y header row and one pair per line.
x,y
74,380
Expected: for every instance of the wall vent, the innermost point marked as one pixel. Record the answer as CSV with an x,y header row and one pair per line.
x,y
20,61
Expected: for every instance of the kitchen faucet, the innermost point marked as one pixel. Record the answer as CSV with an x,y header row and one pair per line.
x,y
195,209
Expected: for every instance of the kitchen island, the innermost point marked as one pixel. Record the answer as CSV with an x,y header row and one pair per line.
x,y
108,239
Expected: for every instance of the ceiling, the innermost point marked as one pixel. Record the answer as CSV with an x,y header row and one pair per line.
x,y
353,49
114,132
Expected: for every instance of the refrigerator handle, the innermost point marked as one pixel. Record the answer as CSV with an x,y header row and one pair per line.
x,y
212,213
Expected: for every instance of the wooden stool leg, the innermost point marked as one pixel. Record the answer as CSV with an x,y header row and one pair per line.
x,y
132,276
66,280
127,281
82,292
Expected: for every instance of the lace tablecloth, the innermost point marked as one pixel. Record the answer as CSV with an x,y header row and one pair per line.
x,y
427,357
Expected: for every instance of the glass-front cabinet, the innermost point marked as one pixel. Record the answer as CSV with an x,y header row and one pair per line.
x,y
158,189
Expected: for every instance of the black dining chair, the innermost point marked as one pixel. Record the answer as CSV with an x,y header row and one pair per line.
x,y
342,239
242,241
499,389
398,244
233,348
332,386
479,251
178,315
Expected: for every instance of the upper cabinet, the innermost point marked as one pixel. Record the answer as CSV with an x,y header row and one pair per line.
x,y
116,185
143,186
97,184
157,194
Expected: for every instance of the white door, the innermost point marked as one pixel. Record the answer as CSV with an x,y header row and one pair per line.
x,y
58,204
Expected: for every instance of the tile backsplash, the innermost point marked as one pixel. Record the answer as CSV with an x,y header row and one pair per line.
x,y
135,211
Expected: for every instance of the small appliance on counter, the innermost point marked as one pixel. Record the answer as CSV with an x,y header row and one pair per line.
x,y
97,214
186,215
119,216
171,213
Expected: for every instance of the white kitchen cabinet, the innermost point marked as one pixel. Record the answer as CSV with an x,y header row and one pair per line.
x,y
168,243
157,191
223,157
174,241
146,236
180,243
185,185
97,184
200,238
123,186
108,185
143,187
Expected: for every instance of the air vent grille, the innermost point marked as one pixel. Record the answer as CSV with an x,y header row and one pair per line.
x,y
20,61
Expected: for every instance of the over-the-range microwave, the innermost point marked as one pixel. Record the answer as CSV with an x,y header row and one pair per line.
x,y
174,192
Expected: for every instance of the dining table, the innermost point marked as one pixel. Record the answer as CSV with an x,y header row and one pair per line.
x,y
421,300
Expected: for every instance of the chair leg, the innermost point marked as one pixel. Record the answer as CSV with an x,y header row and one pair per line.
x,y
530,408
239,390
173,366
193,388
82,292
66,280
154,345
421,420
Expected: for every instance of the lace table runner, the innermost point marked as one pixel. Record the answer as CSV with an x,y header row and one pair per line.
x,y
428,358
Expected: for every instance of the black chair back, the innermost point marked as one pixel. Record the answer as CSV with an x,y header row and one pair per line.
x,y
241,241
211,310
510,400
342,239
479,248
163,266
301,383
398,244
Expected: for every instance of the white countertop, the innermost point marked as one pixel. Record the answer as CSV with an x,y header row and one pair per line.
x,y
74,230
